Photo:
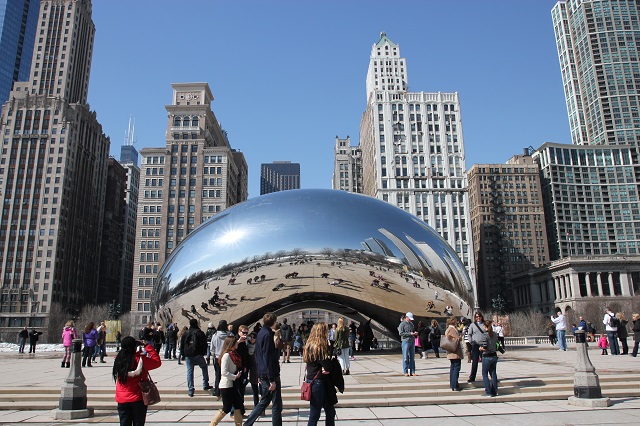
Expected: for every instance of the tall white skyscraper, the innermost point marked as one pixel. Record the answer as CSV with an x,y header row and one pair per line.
x,y
413,150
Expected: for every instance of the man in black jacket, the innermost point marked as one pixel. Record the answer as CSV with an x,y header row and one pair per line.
x,y
33,340
194,348
268,369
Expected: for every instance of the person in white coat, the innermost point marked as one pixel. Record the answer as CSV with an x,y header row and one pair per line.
x,y
230,371
561,329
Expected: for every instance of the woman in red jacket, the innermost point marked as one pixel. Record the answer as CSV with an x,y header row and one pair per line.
x,y
131,366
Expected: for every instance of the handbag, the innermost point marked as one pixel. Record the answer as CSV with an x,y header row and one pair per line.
x,y
305,390
150,394
500,348
417,342
337,351
450,345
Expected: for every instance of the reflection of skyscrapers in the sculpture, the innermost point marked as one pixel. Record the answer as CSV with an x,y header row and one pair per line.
x,y
18,22
347,166
375,245
193,177
412,150
54,174
279,176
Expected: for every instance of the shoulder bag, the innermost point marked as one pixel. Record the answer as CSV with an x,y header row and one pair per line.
x,y
150,394
450,345
305,390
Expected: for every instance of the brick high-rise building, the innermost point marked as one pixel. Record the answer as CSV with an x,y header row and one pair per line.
x,y
413,150
509,234
53,172
195,176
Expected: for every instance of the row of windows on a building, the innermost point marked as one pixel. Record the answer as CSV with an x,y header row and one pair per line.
x,y
417,107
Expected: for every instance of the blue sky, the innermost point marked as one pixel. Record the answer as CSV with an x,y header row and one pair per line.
x,y
289,76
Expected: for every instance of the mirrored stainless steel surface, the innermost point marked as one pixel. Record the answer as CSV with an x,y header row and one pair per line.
x,y
351,254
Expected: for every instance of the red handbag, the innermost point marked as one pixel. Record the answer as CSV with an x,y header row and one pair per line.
x,y
305,390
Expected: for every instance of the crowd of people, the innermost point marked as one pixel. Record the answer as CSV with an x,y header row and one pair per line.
x,y
243,357
613,339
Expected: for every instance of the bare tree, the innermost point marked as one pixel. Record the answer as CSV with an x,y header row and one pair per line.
x,y
95,313
55,323
528,323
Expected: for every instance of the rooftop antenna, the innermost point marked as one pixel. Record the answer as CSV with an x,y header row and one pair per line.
x,y
129,134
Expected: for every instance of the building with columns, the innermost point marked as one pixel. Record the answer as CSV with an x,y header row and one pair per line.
x,y
574,281
412,150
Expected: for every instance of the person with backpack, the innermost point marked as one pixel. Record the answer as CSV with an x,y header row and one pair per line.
x,y
611,324
286,336
194,348
217,341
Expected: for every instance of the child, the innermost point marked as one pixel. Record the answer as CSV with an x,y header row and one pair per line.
x,y
603,344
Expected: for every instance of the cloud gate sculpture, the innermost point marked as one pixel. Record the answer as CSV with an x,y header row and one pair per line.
x,y
324,249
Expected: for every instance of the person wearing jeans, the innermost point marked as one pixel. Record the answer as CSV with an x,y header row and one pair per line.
x,y
192,361
408,337
268,369
476,337
197,357
612,331
455,358
561,329
489,360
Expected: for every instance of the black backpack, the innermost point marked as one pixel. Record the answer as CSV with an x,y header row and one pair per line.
x,y
615,322
190,344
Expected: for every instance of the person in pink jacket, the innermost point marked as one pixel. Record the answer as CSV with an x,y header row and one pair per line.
x,y
68,334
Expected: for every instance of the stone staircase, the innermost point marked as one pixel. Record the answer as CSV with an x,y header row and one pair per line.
x,y
422,390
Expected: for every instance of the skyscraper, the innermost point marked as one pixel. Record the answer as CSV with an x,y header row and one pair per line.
x,y
509,234
279,176
347,166
53,169
18,21
195,176
129,159
413,150
598,45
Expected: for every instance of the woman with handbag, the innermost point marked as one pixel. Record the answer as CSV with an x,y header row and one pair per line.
x,y
423,336
230,371
318,358
342,346
454,352
130,367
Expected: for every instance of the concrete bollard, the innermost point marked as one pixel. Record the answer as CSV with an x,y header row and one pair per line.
x,y
73,396
586,384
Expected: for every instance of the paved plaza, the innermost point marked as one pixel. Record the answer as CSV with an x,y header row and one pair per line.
x,y
377,370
